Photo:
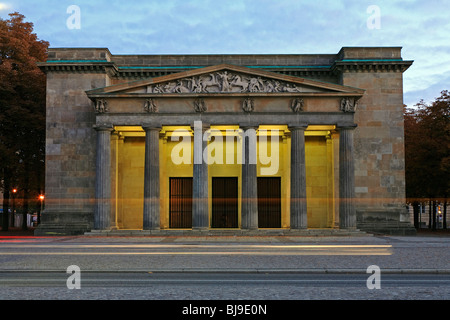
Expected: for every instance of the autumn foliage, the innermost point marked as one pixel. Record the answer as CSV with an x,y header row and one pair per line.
x,y
22,110
427,152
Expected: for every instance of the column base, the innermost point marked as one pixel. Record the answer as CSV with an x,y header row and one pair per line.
x,y
151,229
200,229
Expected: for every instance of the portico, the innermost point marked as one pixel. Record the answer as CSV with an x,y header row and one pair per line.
x,y
226,135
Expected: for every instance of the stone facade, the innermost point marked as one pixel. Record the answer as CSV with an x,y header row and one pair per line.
x,y
111,120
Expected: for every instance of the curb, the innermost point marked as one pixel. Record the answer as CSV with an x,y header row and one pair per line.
x,y
246,270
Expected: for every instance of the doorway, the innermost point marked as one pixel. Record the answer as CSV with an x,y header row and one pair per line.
x,y
269,202
180,204
224,202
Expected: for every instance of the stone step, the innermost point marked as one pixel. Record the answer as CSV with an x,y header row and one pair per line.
x,y
243,233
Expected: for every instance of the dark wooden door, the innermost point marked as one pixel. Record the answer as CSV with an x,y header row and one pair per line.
x,y
224,202
180,204
269,202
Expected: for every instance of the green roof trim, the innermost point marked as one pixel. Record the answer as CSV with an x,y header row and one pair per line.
x,y
198,67
168,67
75,61
293,67
369,60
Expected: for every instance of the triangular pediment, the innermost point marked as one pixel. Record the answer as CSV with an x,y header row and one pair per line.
x,y
225,79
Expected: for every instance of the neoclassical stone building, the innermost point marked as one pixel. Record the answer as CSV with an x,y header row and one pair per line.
x,y
242,144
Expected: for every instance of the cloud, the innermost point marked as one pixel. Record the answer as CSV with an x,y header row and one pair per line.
x,y
422,28
5,6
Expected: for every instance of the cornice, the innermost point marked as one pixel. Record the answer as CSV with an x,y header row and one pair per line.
x,y
307,71
79,66
370,65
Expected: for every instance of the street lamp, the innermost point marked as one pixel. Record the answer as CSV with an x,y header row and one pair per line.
x,y
14,191
41,198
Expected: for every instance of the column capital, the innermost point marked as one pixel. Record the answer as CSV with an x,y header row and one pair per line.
x,y
245,126
103,127
149,127
297,126
346,126
200,125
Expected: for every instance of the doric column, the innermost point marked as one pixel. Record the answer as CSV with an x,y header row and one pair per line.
x,y
114,178
151,179
249,199
298,178
200,214
347,213
102,214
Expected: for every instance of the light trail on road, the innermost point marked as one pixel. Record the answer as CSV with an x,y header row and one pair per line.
x,y
185,249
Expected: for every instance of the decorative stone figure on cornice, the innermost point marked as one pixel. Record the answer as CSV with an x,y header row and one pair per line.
x,y
150,106
101,106
248,105
297,105
199,105
348,104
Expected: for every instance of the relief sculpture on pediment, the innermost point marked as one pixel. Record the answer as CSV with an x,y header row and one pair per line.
x,y
224,82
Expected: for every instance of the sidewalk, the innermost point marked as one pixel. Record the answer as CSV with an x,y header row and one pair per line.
x,y
18,232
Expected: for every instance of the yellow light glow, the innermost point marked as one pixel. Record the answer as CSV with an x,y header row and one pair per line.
x,y
179,131
278,253
128,129
321,127
316,133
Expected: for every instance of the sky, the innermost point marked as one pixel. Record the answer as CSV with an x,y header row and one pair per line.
x,y
420,27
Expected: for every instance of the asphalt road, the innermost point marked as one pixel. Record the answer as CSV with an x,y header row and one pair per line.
x,y
213,279
219,286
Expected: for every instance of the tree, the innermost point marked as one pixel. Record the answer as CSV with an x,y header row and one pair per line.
x,y
427,153
414,192
22,110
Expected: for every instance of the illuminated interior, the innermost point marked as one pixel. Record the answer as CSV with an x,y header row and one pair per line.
x,y
176,158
